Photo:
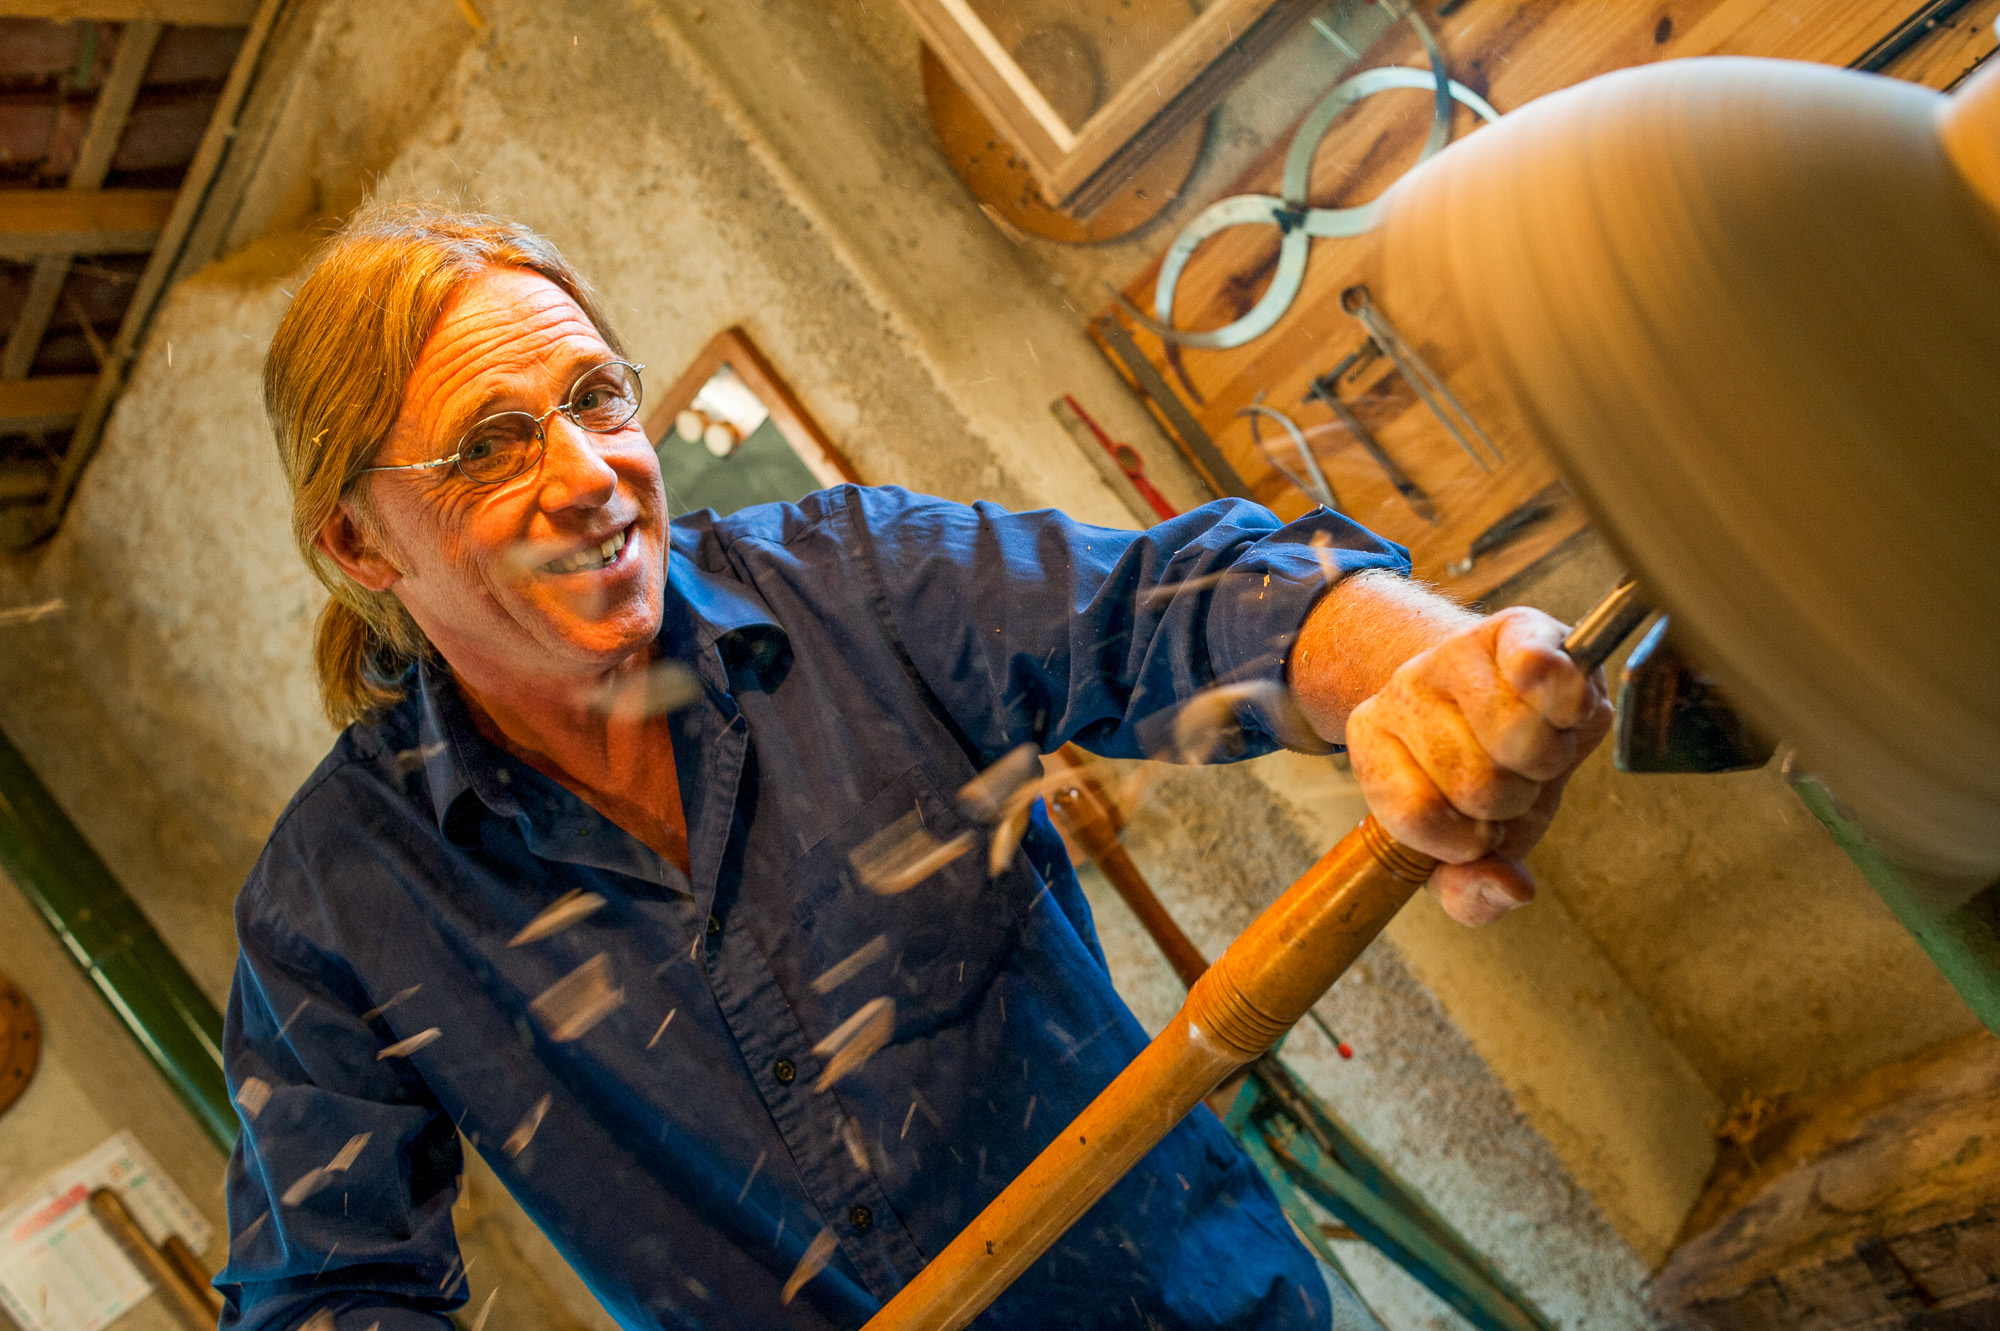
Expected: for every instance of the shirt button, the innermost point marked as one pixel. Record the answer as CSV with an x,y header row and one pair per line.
x,y
714,927
784,1071
862,1218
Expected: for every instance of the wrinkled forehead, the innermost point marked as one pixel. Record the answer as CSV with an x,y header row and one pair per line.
x,y
506,331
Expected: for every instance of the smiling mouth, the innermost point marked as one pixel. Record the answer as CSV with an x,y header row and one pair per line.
x,y
595,557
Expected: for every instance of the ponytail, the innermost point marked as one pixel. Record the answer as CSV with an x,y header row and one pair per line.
x,y
361,667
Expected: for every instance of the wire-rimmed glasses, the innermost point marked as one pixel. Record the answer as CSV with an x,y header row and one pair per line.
x,y
603,400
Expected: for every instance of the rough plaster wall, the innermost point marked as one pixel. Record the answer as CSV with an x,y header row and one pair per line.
x,y
1758,947
370,70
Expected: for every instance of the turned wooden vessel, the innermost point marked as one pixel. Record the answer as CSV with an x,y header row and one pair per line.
x,y
1753,308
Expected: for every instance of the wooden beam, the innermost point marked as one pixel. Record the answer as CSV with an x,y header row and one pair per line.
x,y
45,284
114,103
208,160
1870,1205
35,222
207,13
93,160
22,482
278,78
53,402
1231,38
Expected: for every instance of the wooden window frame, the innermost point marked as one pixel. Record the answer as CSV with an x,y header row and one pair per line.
x,y
733,347
1080,170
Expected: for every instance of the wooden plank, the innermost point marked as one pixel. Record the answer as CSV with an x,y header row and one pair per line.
x,y
1200,67
1944,58
114,103
1083,167
1856,1209
93,161
1512,54
278,76
25,337
23,482
53,402
996,84
204,13
60,221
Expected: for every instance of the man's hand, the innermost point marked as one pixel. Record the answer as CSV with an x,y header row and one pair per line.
x,y
1464,754
1464,751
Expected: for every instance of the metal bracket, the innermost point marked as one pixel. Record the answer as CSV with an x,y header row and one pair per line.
x,y
1303,1151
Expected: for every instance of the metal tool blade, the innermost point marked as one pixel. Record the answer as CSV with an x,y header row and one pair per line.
x,y
1413,494
1221,476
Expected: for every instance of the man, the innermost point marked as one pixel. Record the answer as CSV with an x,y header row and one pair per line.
x,y
618,944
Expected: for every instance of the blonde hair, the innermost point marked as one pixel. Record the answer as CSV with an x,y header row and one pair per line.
x,y
333,386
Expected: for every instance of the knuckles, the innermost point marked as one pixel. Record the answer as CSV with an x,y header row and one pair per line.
x,y
1426,820
1538,751
1489,792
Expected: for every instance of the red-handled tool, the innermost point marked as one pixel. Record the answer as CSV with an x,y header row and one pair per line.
x,y
1127,460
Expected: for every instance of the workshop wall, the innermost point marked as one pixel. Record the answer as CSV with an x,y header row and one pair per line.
x,y
1551,1082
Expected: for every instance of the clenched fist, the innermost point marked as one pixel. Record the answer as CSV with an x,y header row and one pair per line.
x,y
1464,750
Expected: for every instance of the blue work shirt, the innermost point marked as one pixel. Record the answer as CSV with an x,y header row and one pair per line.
x,y
862,654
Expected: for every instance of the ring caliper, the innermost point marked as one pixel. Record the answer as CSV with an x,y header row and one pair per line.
x,y
1297,221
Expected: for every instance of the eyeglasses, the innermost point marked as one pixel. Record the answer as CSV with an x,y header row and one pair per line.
x,y
602,401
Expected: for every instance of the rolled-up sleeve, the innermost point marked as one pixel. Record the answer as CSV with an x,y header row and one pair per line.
x,y
1034,628
341,1185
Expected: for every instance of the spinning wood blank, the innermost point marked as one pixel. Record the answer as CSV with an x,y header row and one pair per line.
x,y
1753,309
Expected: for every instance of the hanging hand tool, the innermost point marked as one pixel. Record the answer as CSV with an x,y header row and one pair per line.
x,y
1323,388
1422,379
1545,501
1313,484
1291,210
171,1267
1254,992
1173,413
1124,457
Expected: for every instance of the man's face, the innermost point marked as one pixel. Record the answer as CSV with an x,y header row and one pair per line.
x,y
511,580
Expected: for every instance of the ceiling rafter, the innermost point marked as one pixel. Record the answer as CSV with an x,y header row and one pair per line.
x,y
93,161
35,222
60,224
207,13
52,402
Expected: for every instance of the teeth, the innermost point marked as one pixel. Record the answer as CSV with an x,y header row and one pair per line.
x,y
595,557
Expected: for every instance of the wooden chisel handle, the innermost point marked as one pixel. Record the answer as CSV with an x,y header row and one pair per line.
x,y
1253,993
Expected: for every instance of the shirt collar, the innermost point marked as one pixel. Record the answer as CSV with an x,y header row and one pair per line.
x,y
717,624
458,761
716,621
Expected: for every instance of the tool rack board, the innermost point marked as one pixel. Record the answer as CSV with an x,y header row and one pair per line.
x,y
1511,53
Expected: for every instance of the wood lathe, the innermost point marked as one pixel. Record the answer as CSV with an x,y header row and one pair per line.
x,y
1748,305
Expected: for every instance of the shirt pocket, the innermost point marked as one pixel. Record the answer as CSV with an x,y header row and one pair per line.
x,y
942,939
